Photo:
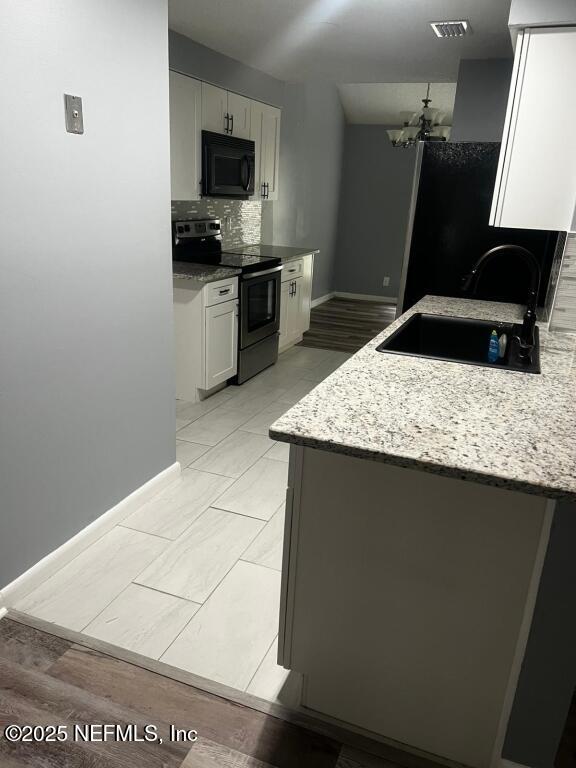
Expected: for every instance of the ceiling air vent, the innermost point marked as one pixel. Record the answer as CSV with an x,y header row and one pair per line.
x,y
450,28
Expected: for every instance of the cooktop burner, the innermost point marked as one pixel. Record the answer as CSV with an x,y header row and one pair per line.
x,y
235,260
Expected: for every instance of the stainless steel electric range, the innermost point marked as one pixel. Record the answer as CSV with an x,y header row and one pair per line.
x,y
200,241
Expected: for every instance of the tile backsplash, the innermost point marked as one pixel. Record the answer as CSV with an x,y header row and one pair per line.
x,y
241,219
564,312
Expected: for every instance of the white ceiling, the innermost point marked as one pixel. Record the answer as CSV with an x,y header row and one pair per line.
x,y
381,103
345,41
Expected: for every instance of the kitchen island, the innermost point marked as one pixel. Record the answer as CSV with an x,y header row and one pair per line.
x,y
420,501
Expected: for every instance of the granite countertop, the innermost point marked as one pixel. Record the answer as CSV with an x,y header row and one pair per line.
x,y
283,252
201,273
508,429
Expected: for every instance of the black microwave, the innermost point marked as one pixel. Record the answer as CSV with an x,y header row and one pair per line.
x,y
228,166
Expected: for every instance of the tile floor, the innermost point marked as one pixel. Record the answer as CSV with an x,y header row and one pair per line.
x,y
193,577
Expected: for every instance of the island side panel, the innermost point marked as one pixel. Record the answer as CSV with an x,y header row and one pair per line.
x,y
409,595
188,328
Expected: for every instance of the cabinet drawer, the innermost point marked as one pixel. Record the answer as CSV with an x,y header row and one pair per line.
x,y
223,290
292,269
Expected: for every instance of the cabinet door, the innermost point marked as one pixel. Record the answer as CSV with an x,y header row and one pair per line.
x,y
256,114
239,110
214,108
270,150
295,310
285,300
306,292
185,137
536,180
220,343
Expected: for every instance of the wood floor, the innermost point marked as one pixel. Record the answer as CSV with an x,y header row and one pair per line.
x,y
347,324
46,680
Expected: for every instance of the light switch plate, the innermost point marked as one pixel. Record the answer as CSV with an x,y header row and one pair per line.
x,y
73,108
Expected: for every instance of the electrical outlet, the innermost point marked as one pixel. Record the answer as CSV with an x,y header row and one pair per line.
x,y
386,281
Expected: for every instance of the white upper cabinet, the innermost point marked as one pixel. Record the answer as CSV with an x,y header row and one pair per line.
x,y
265,133
185,137
225,112
239,113
536,180
270,151
196,106
214,109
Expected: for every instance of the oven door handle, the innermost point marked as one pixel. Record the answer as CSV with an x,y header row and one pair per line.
x,y
263,272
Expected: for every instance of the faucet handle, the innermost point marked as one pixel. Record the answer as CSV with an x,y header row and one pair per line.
x,y
467,280
524,350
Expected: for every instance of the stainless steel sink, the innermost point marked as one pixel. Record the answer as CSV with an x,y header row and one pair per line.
x,y
459,340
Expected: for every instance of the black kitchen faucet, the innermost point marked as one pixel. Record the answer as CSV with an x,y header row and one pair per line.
x,y
526,338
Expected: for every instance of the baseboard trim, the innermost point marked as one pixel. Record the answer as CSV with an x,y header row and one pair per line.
x,y
52,562
321,299
367,297
289,346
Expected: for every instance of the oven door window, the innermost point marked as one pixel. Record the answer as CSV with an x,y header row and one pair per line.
x,y
261,304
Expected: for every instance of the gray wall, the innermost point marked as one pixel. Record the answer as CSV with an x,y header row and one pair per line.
x,y
86,358
192,58
542,12
311,141
375,198
548,675
481,99
311,150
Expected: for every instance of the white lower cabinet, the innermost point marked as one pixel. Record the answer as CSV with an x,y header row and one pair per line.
x,y
221,343
295,300
285,299
205,336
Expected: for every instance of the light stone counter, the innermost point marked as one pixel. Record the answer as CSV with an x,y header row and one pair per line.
x,y
200,274
502,428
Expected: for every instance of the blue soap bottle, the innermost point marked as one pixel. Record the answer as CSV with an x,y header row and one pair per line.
x,y
493,348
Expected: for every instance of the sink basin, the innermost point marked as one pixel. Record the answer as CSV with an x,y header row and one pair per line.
x,y
459,340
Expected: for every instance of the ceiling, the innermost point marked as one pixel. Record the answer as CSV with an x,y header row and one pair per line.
x,y
346,41
382,103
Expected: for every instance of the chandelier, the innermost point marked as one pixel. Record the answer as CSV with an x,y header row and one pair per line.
x,y
424,125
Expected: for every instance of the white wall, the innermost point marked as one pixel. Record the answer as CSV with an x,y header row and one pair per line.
x,y
86,370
